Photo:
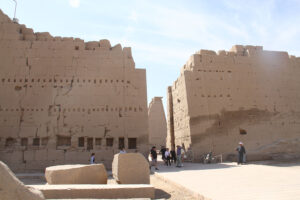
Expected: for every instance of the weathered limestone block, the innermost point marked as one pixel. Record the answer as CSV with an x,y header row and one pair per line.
x,y
43,36
25,30
57,38
85,191
67,39
127,52
222,52
131,168
91,45
30,37
105,44
237,48
207,52
13,189
76,174
117,49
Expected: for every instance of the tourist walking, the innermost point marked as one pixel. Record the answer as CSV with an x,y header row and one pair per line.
x,y
168,157
92,159
178,163
173,155
162,151
241,153
153,155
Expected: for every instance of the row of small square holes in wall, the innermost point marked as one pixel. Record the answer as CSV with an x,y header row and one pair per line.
x,y
66,141
221,95
135,109
210,70
63,80
18,88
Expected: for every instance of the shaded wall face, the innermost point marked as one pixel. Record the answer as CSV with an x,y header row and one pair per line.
x,y
180,112
249,95
62,99
157,123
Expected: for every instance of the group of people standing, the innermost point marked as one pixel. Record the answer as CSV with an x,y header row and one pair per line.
x,y
177,156
167,156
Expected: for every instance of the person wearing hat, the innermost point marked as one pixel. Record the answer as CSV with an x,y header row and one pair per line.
x,y
241,152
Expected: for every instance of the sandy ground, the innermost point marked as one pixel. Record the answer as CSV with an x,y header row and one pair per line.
x,y
226,181
164,190
229,181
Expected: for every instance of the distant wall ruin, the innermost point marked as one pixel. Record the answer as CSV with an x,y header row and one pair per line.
x,y
157,123
246,94
62,99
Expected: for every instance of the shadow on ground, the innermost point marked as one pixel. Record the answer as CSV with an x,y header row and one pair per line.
x,y
161,194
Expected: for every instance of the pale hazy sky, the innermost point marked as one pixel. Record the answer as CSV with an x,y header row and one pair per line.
x,y
164,33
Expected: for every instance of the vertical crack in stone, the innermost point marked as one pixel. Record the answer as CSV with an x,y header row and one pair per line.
x,y
70,87
58,118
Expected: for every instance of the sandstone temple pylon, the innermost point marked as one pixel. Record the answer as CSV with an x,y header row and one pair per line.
x,y
62,99
246,94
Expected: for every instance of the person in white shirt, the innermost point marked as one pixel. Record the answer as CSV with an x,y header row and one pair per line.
x,y
168,157
122,151
92,159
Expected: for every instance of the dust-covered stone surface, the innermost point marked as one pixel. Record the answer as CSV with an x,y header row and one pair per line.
x,y
245,94
11,188
131,168
76,174
63,98
157,123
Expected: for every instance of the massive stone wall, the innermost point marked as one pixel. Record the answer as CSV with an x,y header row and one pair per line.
x,y
245,94
63,98
157,123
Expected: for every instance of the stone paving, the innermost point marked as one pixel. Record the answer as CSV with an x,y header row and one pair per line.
x,y
229,181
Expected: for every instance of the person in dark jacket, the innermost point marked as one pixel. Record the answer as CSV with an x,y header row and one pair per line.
x,y
153,155
173,155
168,157
162,151
241,153
178,157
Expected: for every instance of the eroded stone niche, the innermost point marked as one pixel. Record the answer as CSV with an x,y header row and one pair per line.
x,y
62,99
246,94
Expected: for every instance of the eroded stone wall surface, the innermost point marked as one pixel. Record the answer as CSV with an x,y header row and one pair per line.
x,y
157,123
246,94
62,99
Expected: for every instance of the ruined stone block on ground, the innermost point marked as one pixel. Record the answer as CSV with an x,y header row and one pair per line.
x,y
76,174
131,168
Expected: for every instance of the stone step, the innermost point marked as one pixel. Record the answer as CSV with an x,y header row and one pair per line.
x,y
105,199
96,191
